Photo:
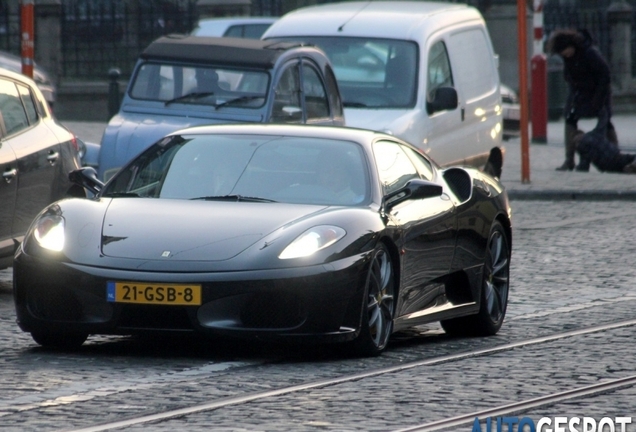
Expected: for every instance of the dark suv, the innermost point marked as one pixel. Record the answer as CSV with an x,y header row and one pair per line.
x,y
181,81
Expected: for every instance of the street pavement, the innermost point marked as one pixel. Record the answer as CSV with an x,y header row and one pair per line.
x,y
545,182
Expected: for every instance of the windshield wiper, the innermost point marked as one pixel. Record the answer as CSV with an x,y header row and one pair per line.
x,y
121,195
238,99
354,104
232,198
193,95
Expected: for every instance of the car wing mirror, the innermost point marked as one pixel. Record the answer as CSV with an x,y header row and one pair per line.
x,y
86,177
441,99
414,189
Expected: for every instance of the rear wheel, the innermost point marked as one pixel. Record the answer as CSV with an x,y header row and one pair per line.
x,y
494,290
379,305
66,341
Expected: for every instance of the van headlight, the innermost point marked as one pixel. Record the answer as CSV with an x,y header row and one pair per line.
x,y
312,240
49,232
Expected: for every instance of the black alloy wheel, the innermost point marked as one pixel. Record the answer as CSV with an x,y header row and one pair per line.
x,y
494,290
379,305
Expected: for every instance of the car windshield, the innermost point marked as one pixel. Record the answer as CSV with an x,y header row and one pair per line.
x,y
371,73
249,168
200,85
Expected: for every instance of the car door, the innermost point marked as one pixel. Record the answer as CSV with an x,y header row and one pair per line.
x,y
36,149
428,228
444,129
8,188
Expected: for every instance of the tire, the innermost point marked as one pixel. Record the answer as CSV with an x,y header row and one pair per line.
x,y
494,290
378,308
64,341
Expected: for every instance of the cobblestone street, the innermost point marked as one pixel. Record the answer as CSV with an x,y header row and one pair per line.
x,y
572,267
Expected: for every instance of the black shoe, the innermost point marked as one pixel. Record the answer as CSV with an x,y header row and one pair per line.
x,y
567,166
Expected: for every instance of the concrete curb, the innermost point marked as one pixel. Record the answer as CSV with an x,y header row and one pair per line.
x,y
572,195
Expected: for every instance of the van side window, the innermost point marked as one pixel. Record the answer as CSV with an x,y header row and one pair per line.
x,y
439,69
316,101
472,52
287,107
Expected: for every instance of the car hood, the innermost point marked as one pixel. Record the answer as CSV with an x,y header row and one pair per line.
x,y
181,230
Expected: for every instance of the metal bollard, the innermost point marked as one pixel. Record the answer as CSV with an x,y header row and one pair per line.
x,y
113,92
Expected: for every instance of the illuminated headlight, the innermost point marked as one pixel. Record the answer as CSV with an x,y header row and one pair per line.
x,y
312,240
49,232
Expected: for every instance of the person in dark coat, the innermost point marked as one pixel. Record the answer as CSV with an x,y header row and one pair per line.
x,y
589,88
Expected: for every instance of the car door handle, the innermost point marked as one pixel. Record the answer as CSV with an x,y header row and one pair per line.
x,y
52,157
9,175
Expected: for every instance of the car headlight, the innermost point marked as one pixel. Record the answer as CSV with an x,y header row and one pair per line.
x,y
49,232
312,240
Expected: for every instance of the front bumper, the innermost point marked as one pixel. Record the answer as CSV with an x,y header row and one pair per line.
x,y
322,302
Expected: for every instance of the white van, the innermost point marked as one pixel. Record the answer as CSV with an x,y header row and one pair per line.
x,y
422,71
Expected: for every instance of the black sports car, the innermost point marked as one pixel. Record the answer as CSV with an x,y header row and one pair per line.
x,y
335,234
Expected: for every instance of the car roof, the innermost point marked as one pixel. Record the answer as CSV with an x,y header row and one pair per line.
x,y
389,19
217,50
327,132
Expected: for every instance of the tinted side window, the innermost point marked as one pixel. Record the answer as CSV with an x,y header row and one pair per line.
x,y
423,165
13,114
315,95
29,106
473,60
394,166
287,107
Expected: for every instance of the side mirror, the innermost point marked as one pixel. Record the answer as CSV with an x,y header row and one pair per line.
x,y
441,99
87,178
414,189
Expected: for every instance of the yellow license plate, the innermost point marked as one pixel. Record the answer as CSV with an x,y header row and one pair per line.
x,y
146,293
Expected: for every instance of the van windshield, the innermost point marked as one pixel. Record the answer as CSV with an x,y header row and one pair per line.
x,y
371,73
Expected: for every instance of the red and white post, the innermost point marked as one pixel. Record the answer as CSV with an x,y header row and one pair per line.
x,y
539,80
27,36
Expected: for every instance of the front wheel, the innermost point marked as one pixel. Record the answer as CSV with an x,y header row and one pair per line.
x,y
379,305
494,290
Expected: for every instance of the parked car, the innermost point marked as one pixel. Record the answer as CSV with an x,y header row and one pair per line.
x,y
280,231
422,71
40,76
182,81
36,155
241,27
511,112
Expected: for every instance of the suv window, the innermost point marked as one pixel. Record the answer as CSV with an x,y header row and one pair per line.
x,y
27,100
316,101
287,107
